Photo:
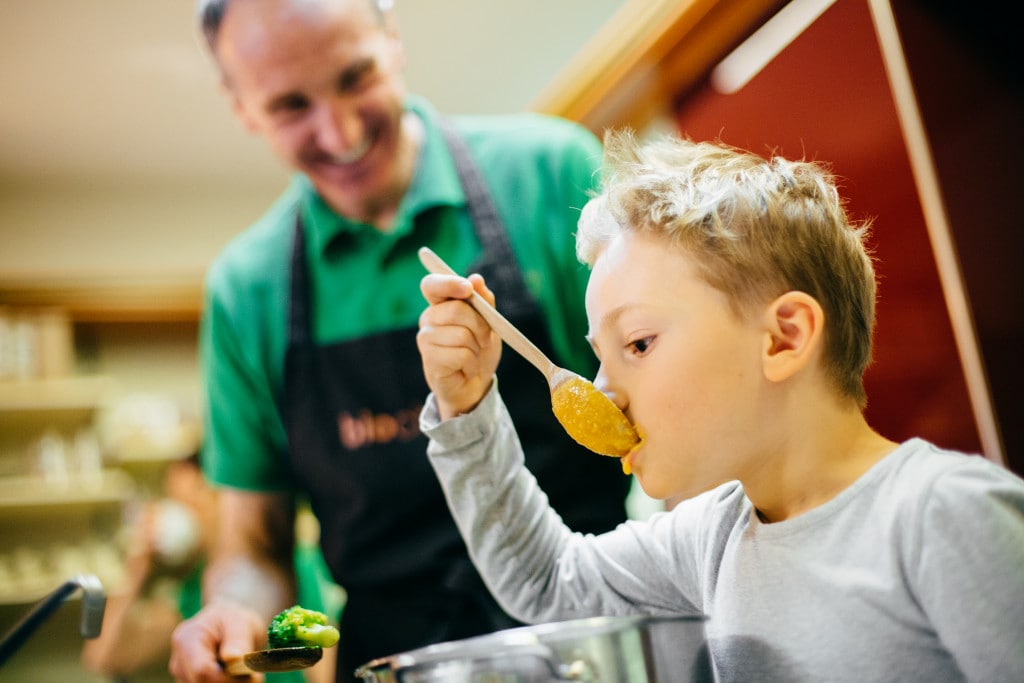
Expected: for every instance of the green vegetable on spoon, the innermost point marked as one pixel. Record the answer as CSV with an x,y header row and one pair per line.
x,y
295,640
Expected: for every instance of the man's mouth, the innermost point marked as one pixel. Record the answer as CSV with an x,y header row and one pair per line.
x,y
354,155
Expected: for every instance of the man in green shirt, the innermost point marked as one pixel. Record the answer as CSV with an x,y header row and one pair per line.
x,y
308,344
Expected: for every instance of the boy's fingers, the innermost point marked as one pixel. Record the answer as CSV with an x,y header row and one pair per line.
x,y
437,287
481,288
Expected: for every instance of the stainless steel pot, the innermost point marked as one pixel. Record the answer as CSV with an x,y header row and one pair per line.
x,y
633,649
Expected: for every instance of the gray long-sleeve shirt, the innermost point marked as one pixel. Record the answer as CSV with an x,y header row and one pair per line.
x,y
913,573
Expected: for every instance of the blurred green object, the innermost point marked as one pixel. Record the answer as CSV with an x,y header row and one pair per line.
x,y
299,626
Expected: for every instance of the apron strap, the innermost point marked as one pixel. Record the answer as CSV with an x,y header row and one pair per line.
x,y
299,319
498,263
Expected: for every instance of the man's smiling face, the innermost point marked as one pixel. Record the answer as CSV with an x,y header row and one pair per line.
x,y
321,82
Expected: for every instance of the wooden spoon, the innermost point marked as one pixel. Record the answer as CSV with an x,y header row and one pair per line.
x,y
588,415
273,660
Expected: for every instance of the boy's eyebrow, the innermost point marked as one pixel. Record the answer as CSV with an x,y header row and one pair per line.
x,y
607,320
612,316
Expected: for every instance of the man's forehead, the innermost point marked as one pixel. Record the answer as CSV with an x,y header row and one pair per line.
x,y
274,35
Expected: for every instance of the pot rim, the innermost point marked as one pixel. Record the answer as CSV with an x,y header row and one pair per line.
x,y
534,639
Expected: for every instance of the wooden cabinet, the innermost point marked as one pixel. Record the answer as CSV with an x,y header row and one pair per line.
x,y
60,504
60,512
66,496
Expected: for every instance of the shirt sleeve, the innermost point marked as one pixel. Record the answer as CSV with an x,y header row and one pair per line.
x,y
536,567
970,568
243,440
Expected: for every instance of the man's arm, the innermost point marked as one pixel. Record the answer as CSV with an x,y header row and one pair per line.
x,y
252,562
250,578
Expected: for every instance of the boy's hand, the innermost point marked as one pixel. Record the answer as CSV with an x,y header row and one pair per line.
x,y
460,351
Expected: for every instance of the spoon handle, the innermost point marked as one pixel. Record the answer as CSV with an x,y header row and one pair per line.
x,y
499,323
236,667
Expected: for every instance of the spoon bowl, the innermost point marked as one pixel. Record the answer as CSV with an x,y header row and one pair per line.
x,y
587,415
274,660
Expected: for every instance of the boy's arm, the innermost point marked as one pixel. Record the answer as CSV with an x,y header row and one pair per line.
x,y
537,568
513,536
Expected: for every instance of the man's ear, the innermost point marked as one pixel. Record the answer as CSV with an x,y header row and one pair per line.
x,y
794,329
396,48
239,110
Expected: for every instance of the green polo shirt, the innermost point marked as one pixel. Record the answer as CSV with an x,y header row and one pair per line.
x,y
540,171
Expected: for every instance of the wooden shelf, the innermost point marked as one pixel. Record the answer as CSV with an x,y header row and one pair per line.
x,y
110,298
25,492
79,392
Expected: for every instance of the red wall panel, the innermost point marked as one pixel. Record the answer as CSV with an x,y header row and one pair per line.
x,y
964,60
827,97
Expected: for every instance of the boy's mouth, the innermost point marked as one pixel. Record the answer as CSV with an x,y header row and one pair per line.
x,y
627,459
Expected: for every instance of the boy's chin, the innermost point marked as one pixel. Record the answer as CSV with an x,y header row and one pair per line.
x,y
681,492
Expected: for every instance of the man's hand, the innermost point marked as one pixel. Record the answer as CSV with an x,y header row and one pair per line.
x,y
460,352
217,632
248,578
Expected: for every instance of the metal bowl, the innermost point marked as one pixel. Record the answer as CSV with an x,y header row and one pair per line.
x,y
632,649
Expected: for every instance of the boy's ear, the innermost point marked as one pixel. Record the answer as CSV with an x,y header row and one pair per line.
x,y
795,325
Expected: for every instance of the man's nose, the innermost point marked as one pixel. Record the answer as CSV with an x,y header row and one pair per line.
x,y
339,128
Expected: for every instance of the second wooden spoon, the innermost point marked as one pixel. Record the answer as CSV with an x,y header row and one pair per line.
x,y
586,414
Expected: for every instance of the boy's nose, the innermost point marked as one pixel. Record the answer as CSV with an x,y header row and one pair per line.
x,y
605,387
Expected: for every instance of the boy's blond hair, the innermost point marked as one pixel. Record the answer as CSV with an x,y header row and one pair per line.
x,y
756,228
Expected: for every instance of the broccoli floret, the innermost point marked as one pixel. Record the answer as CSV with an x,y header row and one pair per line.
x,y
301,627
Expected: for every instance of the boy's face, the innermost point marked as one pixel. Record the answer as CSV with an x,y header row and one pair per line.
x,y
680,363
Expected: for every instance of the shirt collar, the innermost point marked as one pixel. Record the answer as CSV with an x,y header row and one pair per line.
x,y
435,182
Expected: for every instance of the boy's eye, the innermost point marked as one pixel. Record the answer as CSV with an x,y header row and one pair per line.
x,y
641,346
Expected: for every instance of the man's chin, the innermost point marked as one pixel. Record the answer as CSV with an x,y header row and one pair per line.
x,y
350,198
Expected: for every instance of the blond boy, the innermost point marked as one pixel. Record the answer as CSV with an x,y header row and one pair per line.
x,y
731,304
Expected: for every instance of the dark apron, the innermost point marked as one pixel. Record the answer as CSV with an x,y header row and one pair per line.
x,y
351,411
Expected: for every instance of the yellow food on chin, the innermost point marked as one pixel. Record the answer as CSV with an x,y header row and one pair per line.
x,y
627,459
593,419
